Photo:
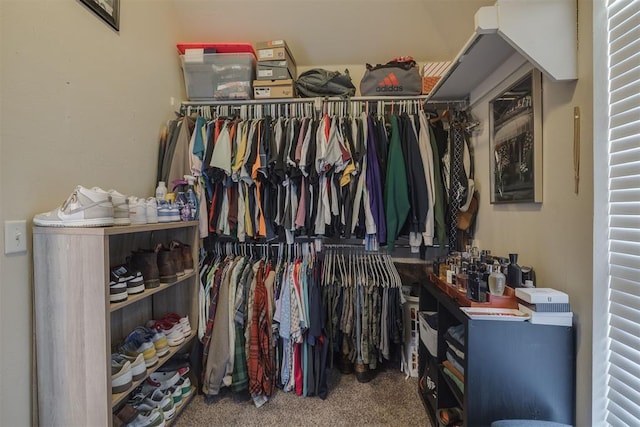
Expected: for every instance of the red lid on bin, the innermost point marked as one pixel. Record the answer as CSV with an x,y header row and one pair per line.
x,y
218,47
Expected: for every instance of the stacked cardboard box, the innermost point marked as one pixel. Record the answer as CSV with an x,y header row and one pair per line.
x,y
275,70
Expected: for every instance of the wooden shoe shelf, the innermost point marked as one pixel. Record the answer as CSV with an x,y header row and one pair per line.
x,y
77,328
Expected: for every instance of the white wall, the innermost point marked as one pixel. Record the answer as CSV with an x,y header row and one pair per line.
x,y
80,104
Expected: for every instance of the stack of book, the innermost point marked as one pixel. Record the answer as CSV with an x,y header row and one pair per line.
x,y
546,306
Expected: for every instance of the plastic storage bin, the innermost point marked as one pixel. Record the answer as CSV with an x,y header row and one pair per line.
x,y
219,76
428,335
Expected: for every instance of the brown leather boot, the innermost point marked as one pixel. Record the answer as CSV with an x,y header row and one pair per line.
x,y
185,251
176,251
146,261
166,265
362,373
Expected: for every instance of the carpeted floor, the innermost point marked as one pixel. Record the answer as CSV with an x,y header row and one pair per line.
x,y
388,400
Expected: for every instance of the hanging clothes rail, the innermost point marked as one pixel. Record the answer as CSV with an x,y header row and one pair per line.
x,y
319,102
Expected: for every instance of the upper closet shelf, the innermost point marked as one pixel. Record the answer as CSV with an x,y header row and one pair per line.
x,y
544,32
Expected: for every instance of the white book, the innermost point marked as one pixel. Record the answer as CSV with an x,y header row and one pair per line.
x,y
541,295
523,308
546,319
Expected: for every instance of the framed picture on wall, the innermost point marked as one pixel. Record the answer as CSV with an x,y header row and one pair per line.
x,y
108,10
515,118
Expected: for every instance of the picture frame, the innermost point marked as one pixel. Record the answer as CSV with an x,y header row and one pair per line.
x,y
515,118
108,10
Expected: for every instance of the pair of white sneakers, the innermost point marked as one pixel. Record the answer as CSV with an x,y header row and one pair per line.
x,y
142,211
95,207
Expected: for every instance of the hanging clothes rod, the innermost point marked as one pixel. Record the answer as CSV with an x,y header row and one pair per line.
x,y
321,100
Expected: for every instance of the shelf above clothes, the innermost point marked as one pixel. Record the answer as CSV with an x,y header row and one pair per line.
x,y
544,33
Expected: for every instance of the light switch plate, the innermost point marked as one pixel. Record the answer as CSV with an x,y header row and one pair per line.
x,y
15,237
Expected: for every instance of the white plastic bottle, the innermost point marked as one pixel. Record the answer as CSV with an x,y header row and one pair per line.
x,y
161,192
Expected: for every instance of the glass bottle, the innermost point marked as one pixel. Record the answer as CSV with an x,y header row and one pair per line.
x,y
497,281
514,273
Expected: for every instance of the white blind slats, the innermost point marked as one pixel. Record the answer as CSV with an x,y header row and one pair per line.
x,y
625,38
623,271
626,286
619,13
630,102
624,183
623,356
626,247
624,313
630,373
625,117
627,130
626,195
624,209
632,222
625,144
624,400
624,169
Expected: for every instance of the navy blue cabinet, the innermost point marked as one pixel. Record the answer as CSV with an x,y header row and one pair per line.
x,y
512,370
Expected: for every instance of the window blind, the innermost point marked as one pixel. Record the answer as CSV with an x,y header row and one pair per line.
x,y
623,362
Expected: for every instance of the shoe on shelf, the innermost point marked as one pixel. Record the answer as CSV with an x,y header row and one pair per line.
x,y
157,337
166,265
164,400
135,285
174,212
121,377
176,395
152,210
154,399
176,253
185,384
178,362
182,321
125,415
161,381
164,213
83,208
117,291
187,256
138,367
120,206
173,332
137,343
146,261
132,279
148,418
137,210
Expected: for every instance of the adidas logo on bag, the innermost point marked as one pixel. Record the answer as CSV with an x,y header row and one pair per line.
x,y
389,84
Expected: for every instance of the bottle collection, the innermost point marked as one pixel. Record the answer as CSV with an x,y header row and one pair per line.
x,y
183,198
477,273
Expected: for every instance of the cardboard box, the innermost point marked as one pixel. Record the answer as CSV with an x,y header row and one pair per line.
x,y
276,70
274,50
263,89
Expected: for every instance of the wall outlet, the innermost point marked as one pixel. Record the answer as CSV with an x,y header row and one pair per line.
x,y
15,237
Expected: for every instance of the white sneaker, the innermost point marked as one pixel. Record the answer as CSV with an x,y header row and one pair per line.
x,y
121,377
120,208
174,212
148,417
137,210
83,208
152,210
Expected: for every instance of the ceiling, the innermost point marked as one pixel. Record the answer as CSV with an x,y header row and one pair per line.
x,y
332,32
